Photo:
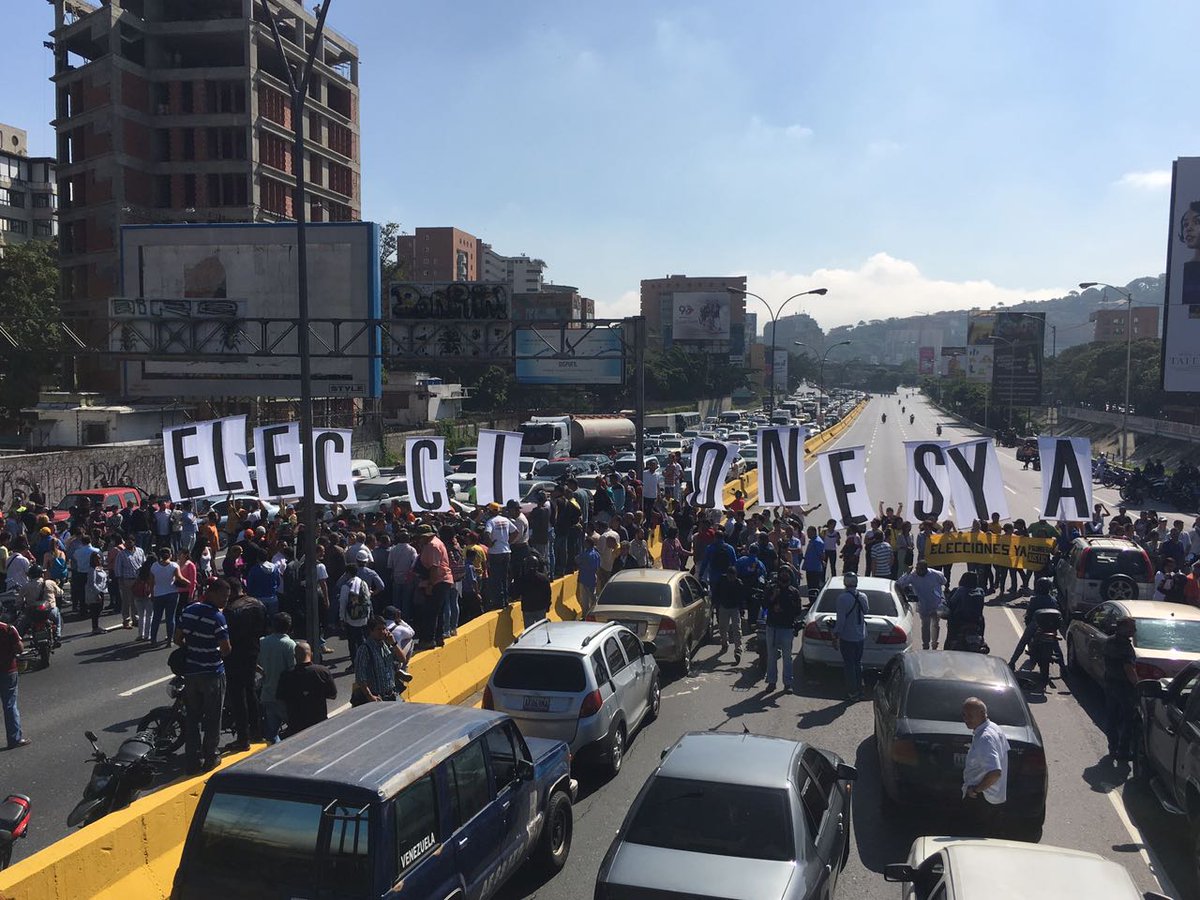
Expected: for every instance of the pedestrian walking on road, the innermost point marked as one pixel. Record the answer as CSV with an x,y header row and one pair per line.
x,y
1120,690
305,691
783,604
168,585
929,585
96,590
276,655
814,562
246,618
10,649
985,772
850,634
204,636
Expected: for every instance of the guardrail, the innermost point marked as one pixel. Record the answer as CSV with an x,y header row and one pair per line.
x,y
134,852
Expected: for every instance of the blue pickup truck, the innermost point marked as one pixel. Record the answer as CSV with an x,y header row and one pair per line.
x,y
396,800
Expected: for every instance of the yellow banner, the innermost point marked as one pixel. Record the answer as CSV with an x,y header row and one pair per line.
x,y
992,549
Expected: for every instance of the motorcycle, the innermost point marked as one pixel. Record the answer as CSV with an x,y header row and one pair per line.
x,y
911,419
883,418
1044,648
116,780
38,634
967,636
167,724
15,813
939,431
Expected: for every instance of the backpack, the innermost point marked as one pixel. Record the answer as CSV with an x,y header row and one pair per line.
x,y
359,604
58,568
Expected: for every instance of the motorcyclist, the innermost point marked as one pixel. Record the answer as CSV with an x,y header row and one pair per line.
x,y
41,589
966,610
1043,598
911,418
883,418
939,431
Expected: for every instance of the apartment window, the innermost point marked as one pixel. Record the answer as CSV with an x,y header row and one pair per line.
x,y
163,191
226,96
275,152
16,226
227,190
9,197
274,196
226,143
189,97
162,145
189,143
162,98
41,201
341,179
272,104
42,228
189,191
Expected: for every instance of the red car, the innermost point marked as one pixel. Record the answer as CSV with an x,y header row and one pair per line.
x,y
109,497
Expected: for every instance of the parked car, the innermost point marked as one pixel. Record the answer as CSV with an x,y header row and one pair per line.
x,y
1096,569
220,505
460,485
459,457
404,800
922,741
665,606
364,468
375,492
108,497
1167,639
954,868
591,685
741,816
530,466
890,620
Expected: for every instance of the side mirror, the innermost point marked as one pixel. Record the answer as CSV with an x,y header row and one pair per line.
x,y
91,736
524,770
898,872
846,772
1150,688
648,648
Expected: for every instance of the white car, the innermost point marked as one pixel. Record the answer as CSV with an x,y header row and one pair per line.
x,y
890,623
460,484
530,466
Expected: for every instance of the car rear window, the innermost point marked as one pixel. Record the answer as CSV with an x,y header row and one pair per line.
x,y
708,817
1104,562
879,603
620,593
1182,635
941,701
540,672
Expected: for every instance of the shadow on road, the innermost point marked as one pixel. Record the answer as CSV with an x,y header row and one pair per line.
x,y
882,835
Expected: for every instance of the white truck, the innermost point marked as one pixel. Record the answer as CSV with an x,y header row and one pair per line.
x,y
562,437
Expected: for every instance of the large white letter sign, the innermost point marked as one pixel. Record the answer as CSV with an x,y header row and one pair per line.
x,y
844,477
928,481
975,481
425,463
1066,478
277,456
206,458
710,464
333,479
781,467
497,466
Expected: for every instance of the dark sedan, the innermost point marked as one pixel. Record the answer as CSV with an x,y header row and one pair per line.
x,y
922,740
775,825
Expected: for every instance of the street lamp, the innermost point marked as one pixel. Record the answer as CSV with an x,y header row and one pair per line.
x,y
774,319
1128,358
821,375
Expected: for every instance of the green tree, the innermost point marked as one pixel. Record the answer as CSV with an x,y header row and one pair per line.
x,y
391,267
29,329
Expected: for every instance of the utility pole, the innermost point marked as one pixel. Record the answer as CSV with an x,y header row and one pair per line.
x,y
639,389
298,86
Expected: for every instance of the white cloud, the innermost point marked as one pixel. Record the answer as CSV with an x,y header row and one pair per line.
x,y
1153,180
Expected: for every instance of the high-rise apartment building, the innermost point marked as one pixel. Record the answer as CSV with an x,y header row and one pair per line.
x,y
439,254
699,313
27,191
522,274
178,111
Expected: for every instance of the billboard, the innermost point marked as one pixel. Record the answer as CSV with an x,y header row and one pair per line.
x,y
700,316
1017,358
212,281
597,356
925,361
448,319
979,347
953,362
777,372
1181,312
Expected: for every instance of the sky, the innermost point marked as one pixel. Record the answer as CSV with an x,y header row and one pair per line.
x,y
910,157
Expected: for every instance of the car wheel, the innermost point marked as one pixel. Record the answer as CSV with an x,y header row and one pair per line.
x,y
554,845
616,750
1118,587
655,700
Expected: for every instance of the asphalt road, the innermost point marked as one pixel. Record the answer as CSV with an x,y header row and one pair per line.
x,y
1089,806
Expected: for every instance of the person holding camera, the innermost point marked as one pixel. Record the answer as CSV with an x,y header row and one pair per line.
x,y
375,664
783,602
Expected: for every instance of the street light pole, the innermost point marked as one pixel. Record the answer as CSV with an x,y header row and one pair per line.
x,y
774,328
821,376
1128,359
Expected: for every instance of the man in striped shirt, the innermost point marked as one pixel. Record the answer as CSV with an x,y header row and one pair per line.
x,y
204,637
880,558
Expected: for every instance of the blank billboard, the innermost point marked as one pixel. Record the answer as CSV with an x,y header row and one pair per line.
x,y
700,316
221,277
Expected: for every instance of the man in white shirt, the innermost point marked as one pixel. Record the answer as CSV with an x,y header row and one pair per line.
x,y
985,772
499,530
18,571
401,559
651,483
518,541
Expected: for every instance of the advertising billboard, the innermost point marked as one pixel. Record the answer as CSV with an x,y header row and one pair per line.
x,y
779,370
953,362
925,361
448,320
213,280
1018,340
588,356
1181,312
979,348
700,316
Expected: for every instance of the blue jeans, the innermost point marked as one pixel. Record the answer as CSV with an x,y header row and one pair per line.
x,y
274,713
164,609
779,639
12,716
852,654
551,555
498,580
450,610
402,598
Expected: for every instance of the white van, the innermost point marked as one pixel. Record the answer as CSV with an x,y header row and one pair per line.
x,y
363,468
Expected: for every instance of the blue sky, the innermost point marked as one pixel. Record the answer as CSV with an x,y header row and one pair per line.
x,y
909,156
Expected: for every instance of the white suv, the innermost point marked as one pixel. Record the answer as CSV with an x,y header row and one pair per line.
x,y
590,684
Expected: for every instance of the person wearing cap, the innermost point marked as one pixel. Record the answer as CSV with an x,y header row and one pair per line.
x,y
366,560
850,633
435,587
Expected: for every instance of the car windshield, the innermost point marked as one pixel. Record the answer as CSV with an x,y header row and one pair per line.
x,y
467,467
529,671
377,491
879,603
1104,561
556,469
942,700
1180,635
635,593
72,500
539,434
710,817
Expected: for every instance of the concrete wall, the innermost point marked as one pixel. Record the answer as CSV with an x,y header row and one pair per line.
x,y
139,464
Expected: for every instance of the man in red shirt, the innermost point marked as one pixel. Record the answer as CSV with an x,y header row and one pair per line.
x,y
10,649
436,586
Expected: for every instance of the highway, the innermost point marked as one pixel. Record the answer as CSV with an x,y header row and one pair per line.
x,y
1088,806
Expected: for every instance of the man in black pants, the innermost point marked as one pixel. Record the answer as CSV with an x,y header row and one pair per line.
x,y
247,620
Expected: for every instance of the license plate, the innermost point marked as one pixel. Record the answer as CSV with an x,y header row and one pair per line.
x,y
960,759
536,704
635,627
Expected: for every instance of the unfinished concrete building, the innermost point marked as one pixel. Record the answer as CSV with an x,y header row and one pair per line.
x,y
178,111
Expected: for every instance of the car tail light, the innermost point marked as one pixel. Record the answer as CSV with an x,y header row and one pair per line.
x,y
1031,761
590,617
591,705
814,632
904,752
896,636
1148,670
488,702
666,625
1081,566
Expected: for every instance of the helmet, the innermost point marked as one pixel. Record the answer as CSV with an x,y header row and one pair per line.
x,y
1043,586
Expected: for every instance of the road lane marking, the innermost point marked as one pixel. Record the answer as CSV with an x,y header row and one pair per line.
x,y
1157,872
1010,490
148,684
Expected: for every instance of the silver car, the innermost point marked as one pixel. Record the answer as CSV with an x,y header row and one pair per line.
x,y
889,617
736,816
590,684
